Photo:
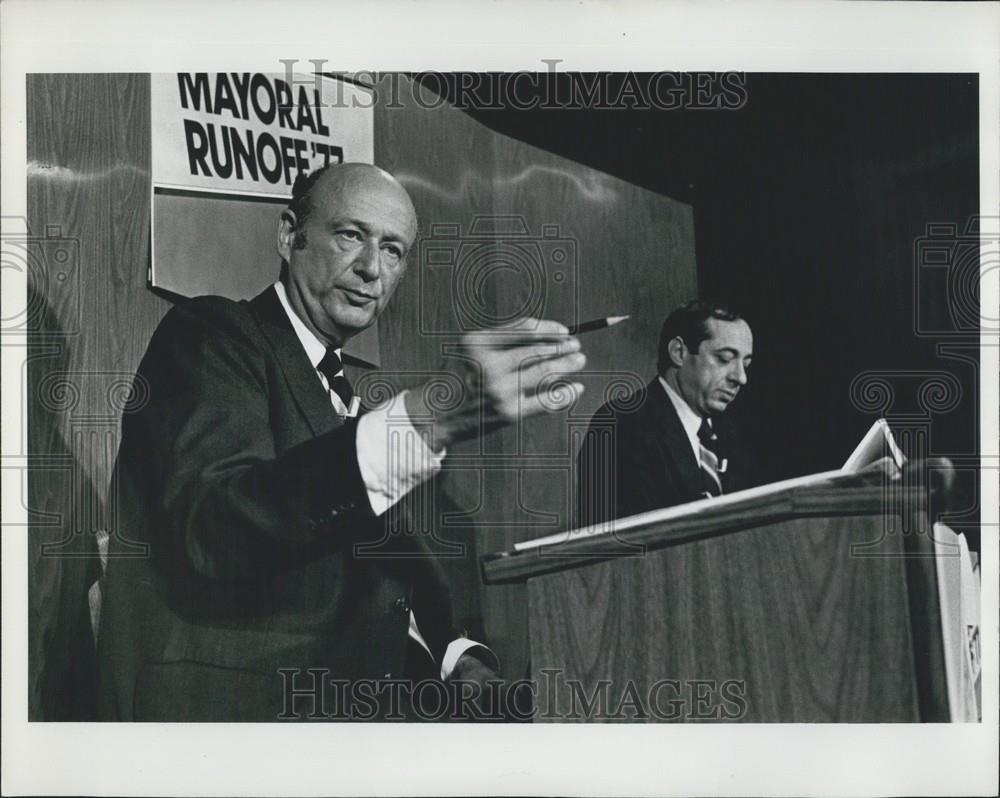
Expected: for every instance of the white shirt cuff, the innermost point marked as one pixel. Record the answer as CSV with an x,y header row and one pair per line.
x,y
456,648
392,455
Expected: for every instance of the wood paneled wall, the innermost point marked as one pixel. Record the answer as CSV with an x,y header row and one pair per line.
x,y
527,230
506,228
88,196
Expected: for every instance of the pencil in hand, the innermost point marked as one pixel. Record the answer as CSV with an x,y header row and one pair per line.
x,y
597,324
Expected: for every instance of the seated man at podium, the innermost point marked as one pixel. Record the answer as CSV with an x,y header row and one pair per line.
x,y
671,442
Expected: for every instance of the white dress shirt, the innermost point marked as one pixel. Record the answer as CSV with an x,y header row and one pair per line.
x,y
416,461
690,420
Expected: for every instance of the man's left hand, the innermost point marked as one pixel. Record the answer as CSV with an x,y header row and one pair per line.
x,y
483,693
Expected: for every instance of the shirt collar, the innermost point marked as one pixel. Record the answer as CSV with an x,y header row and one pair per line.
x,y
690,420
315,348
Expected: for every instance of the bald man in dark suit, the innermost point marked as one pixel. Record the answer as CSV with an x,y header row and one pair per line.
x,y
257,572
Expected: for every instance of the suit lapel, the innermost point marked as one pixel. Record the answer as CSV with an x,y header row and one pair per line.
x,y
670,433
304,384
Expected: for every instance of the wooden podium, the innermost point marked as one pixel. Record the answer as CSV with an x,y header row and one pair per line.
x,y
815,603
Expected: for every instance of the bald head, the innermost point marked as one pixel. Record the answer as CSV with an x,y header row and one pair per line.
x,y
344,177
344,239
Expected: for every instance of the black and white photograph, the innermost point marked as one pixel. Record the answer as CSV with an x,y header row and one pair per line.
x,y
435,399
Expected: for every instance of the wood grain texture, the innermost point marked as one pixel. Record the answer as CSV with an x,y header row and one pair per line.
x,y
428,151
88,195
530,233
636,536
925,617
780,623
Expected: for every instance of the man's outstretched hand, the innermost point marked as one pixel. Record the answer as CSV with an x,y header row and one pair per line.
x,y
508,373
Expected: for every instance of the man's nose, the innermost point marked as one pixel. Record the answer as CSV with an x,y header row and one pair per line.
x,y
368,262
739,373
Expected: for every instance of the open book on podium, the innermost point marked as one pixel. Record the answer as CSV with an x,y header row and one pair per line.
x,y
828,597
876,445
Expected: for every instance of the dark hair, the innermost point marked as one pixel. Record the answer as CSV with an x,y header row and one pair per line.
x,y
688,322
301,202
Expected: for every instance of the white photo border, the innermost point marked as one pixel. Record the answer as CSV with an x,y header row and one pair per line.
x,y
230,759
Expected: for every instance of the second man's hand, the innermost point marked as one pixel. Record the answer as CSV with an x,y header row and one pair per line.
x,y
508,373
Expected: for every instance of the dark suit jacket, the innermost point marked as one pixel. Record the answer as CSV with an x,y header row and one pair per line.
x,y
242,486
636,457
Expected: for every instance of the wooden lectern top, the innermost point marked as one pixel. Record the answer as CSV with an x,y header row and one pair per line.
x,y
824,495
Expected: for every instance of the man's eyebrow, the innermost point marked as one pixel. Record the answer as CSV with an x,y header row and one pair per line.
x,y
341,221
732,350
366,228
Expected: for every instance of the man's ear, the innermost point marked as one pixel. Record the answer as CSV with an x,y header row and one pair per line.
x,y
286,234
677,350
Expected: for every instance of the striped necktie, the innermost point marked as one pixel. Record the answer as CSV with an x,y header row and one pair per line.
x,y
331,368
712,462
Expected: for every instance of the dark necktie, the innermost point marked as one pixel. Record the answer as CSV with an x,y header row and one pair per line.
x,y
331,368
712,462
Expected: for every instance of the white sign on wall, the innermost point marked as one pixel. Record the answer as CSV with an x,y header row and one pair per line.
x,y
252,133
